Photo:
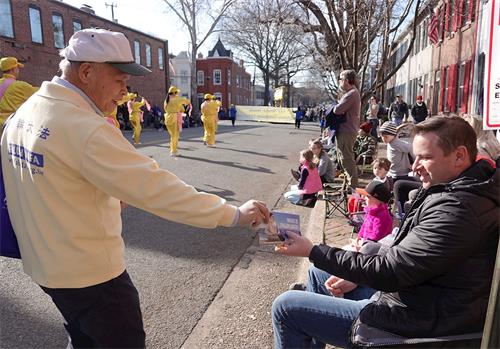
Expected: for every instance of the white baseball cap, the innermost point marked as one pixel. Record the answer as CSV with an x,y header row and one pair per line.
x,y
103,46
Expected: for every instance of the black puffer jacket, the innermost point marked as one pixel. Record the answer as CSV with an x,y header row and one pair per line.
x,y
436,277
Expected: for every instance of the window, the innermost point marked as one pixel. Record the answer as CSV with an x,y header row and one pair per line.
x,y
77,25
137,51
461,78
57,27
217,77
36,25
200,77
229,76
435,93
6,27
148,55
451,14
465,12
237,81
446,77
184,77
160,57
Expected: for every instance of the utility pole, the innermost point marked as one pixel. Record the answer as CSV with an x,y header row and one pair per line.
x,y
112,5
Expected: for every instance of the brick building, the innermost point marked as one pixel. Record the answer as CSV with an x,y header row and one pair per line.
x,y
443,72
220,75
35,30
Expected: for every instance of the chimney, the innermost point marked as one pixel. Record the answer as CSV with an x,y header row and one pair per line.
x,y
87,8
200,55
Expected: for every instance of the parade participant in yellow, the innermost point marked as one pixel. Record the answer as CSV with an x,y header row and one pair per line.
x,y
135,116
174,104
216,122
13,92
112,116
209,110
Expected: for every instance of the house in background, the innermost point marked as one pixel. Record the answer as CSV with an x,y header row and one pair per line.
x,y
221,76
35,31
181,74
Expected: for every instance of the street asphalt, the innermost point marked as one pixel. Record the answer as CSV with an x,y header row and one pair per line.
x,y
198,288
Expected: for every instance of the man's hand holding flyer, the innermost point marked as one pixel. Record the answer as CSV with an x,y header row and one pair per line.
x,y
280,224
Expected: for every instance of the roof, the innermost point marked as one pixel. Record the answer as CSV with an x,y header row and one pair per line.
x,y
219,51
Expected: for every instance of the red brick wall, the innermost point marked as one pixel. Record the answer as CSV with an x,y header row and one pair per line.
x,y
208,65
42,60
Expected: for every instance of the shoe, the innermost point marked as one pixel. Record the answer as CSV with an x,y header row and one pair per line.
x,y
295,174
211,145
204,143
173,154
297,286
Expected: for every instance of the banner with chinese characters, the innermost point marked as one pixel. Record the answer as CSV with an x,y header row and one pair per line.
x,y
265,114
491,118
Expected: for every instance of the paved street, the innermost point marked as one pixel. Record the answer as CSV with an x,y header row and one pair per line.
x,y
180,270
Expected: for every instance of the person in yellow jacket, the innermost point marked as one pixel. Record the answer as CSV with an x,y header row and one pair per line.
x,y
209,110
135,116
13,92
112,116
219,104
173,105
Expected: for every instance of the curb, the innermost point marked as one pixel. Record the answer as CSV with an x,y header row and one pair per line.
x,y
315,233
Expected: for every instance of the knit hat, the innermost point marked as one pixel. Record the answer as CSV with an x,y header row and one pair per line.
x,y
377,189
420,98
366,126
388,127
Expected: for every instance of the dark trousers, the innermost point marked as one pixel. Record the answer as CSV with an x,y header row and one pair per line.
x,y
233,120
106,315
297,123
402,187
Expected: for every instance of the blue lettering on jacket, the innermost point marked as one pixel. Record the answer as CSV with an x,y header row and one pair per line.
x,y
25,154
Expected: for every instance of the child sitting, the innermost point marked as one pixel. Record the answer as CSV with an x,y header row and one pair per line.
x,y
309,180
378,221
381,167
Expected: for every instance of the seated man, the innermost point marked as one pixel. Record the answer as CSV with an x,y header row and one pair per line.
x,y
365,144
433,280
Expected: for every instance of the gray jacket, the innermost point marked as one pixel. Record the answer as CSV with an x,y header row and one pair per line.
x,y
397,153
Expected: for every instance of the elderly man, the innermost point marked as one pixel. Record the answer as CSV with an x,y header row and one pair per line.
x,y
350,105
435,277
13,92
60,159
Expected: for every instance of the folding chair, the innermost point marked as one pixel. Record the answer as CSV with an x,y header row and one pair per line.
x,y
335,197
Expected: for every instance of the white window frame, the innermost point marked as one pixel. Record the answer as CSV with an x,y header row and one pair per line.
x,y
218,96
229,77
33,10
137,51
148,56
200,78
217,76
160,58
7,20
59,33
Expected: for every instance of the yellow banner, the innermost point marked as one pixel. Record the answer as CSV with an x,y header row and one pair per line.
x,y
265,114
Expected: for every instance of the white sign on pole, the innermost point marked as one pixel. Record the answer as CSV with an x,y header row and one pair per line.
x,y
491,118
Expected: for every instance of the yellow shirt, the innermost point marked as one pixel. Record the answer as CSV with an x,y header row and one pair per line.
x,y
210,108
15,95
136,108
175,105
59,173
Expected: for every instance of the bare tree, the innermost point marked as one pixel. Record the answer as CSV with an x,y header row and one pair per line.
x,y
272,46
190,12
345,32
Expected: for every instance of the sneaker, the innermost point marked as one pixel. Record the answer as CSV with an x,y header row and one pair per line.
x,y
297,286
173,154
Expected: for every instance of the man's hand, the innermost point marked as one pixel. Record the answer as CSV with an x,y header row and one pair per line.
x,y
296,245
253,213
338,287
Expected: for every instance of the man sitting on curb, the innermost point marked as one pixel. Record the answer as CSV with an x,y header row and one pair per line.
x,y
435,278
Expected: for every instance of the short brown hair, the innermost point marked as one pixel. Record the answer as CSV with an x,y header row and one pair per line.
x,y
382,163
350,76
452,132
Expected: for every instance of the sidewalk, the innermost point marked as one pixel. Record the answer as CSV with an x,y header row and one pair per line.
x,y
334,231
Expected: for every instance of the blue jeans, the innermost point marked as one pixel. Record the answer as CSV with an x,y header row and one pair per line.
x,y
374,123
398,121
312,318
